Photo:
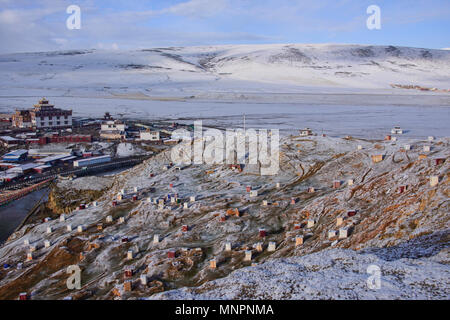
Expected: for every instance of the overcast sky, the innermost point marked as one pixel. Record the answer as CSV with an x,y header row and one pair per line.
x,y
40,25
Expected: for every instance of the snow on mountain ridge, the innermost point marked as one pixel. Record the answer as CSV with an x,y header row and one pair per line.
x,y
321,65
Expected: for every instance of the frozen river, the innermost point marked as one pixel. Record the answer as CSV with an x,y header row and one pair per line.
x,y
354,118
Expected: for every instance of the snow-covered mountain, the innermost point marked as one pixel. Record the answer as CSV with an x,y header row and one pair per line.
x,y
246,68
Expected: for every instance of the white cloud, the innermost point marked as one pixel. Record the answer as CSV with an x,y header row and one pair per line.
x,y
60,41
107,46
9,17
197,8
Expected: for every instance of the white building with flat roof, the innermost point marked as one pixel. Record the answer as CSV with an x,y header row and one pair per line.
x,y
45,115
150,135
91,161
113,130
113,125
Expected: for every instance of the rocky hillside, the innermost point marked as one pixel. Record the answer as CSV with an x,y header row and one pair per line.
x,y
372,204
332,274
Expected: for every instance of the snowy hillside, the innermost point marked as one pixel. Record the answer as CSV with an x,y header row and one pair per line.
x,y
330,274
386,213
235,68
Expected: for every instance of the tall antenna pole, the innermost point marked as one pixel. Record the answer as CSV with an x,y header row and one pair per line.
x,y
244,123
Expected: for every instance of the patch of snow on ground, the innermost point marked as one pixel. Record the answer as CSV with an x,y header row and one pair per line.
x,y
329,274
86,183
127,150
